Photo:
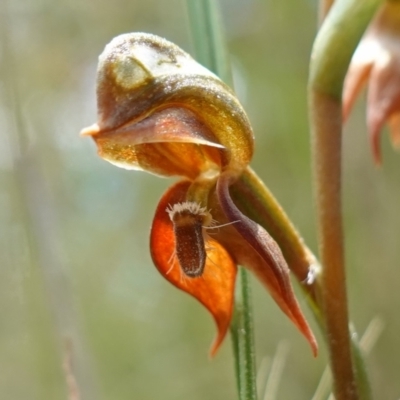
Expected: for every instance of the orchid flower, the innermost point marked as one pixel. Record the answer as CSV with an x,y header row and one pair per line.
x,y
160,111
377,60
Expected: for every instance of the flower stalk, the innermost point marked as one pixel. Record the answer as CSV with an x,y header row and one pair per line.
x,y
332,51
242,333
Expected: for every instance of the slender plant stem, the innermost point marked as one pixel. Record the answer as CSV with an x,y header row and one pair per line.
x,y
327,153
234,329
211,52
242,333
207,37
333,48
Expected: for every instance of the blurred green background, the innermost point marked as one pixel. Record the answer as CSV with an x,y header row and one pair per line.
x,y
75,264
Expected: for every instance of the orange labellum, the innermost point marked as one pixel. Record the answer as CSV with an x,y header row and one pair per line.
x,y
178,249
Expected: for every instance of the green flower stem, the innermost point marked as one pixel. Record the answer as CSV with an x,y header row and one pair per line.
x,y
332,279
242,333
207,37
211,52
361,374
332,51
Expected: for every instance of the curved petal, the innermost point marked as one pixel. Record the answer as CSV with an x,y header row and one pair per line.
x,y
257,251
215,288
377,58
356,77
383,97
